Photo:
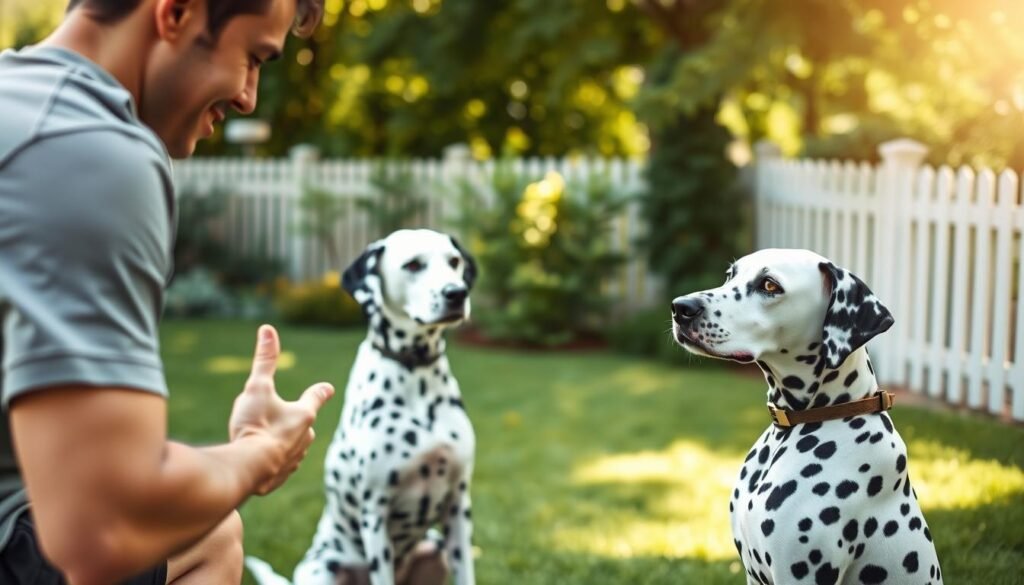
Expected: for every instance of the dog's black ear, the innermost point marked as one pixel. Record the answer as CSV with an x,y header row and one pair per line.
x,y
362,278
469,271
854,315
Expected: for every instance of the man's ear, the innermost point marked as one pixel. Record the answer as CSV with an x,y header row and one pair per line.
x,y
854,315
175,16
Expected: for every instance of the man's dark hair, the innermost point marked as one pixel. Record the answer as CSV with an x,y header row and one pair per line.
x,y
218,12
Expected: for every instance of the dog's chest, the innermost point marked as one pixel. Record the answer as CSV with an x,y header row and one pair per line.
x,y
804,485
405,444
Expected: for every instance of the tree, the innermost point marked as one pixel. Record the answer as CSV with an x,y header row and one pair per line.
x,y
396,78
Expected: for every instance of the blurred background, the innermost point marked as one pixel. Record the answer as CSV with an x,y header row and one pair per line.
x,y
600,157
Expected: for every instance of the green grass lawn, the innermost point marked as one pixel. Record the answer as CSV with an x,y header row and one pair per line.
x,y
598,469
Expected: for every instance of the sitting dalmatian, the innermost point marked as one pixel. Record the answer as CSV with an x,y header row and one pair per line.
x,y
824,495
401,460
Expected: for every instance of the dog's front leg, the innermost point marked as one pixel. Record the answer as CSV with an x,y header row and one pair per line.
x,y
377,545
459,538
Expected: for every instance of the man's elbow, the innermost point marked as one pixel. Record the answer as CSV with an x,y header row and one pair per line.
x,y
95,556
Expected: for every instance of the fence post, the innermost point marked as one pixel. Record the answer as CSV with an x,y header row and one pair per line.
x,y
301,265
456,164
765,152
901,160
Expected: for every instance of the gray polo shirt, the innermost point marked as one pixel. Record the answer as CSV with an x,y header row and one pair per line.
x,y
86,232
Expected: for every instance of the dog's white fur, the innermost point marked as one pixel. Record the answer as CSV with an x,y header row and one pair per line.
x,y
823,502
401,461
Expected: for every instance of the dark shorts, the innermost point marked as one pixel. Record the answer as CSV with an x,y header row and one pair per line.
x,y
22,564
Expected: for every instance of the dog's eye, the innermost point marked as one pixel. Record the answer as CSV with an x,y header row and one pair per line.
x,y
770,286
454,263
413,266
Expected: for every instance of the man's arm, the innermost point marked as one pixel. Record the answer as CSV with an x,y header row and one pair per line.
x,y
112,497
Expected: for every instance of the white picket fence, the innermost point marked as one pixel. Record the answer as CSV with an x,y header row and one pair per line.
x,y
263,214
942,248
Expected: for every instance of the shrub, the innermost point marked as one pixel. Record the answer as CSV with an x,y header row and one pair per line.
x,y
197,293
694,205
543,250
320,302
396,199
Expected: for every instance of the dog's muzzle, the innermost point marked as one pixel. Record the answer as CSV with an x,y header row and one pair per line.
x,y
454,302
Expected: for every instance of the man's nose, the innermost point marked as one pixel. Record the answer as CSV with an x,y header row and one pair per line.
x,y
245,102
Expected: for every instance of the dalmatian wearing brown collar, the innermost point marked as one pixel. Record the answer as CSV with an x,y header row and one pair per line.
x,y
824,495
401,460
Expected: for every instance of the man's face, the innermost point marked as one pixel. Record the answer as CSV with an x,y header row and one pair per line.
x,y
192,79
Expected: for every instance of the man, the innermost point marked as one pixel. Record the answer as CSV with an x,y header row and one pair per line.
x,y
88,119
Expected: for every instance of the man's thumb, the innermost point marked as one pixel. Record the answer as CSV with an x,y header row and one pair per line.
x,y
317,395
268,347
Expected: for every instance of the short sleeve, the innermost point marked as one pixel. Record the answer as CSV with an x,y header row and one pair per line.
x,y
85,250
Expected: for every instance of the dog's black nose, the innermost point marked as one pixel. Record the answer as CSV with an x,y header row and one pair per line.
x,y
686,309
454,295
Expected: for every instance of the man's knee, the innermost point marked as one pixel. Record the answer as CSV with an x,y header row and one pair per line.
x,y
227,536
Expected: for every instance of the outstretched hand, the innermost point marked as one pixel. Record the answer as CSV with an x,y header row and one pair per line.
x,y
259,411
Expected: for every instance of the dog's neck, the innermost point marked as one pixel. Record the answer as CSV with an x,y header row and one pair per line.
x,y
795,381
405,341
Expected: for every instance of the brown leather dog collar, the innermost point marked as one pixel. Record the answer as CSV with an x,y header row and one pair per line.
x,y
786,418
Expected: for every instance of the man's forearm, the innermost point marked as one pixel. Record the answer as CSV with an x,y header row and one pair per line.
x,y
194,490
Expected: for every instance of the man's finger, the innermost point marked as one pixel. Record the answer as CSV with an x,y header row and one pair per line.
x,y
268,347
316,395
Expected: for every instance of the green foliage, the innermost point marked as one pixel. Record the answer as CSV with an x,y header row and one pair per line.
x,y
543,251
197,293
693,203
834,78
382,79
320,212
395,201
199,244
321,303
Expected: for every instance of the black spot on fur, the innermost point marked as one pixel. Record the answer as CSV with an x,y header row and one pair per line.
x,y
910,562
850,530
846,488
793,382
875,485
826,575
825,450
767,527
811,470
799,570
779,495
873,574
807,443
829,515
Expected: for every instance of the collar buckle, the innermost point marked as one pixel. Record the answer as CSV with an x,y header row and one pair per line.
x,y
779,416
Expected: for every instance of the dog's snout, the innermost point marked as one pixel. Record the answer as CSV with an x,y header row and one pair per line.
x,y
686,309
454,295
